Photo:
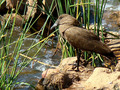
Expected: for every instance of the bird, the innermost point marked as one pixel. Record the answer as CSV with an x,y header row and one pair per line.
x,y
80,38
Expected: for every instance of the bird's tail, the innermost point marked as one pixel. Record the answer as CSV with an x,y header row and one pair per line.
x,y
115,47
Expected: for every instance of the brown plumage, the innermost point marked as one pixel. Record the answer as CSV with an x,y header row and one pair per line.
x,y
80,38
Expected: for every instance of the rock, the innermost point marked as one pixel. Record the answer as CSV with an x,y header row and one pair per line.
x,y
18,22
115,16
114,45
47,4
30,9
12,4
118,66
40,85
112,18
48,72
101,79
64,76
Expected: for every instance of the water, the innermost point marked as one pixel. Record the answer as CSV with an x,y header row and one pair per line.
x,y
113,5
32,73
109,22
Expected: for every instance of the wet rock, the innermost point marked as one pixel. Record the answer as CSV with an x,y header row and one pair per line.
x,y
115,16
112,18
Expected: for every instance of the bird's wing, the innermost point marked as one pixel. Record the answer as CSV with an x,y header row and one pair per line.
x,y
85,40
83,33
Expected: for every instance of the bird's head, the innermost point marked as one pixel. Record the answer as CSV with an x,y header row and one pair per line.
x,y
66,19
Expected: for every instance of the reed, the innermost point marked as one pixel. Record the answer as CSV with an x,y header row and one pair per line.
x,y
9,74
82,9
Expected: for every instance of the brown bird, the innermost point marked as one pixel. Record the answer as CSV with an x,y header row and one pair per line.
x,y
80,38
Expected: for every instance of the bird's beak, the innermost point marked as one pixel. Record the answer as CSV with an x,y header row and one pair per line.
x,y
55,24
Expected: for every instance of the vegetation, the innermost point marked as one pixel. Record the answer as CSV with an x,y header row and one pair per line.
x,y
8,73
83,9
80,9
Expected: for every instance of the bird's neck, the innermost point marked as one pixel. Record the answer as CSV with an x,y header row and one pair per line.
x,y
63,28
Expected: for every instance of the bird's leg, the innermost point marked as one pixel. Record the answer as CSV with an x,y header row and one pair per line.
x,y
76,65
78,58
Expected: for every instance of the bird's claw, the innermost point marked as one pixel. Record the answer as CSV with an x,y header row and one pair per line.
x,y
75,66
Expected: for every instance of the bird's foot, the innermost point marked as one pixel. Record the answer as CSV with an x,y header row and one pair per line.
x,y
75,66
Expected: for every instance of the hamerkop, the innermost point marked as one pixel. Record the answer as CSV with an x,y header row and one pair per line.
x,y
80,38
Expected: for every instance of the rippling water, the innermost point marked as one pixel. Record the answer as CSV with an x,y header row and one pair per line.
x,y
32,73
